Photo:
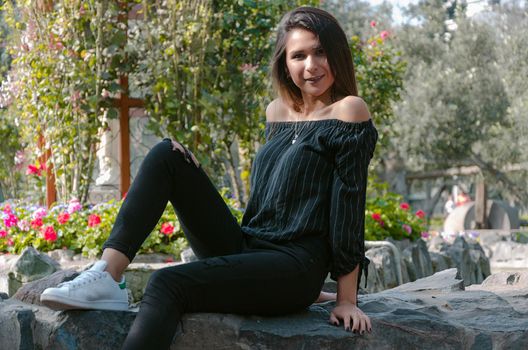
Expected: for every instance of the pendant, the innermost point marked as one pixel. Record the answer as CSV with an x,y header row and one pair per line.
x,y
294,139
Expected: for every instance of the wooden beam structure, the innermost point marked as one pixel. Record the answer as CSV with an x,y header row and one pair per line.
x,y
124,103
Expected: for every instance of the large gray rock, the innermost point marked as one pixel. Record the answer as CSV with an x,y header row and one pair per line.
x,y
29,266
430,313
441,262
30,292
472,263
418,260
32,265
384,265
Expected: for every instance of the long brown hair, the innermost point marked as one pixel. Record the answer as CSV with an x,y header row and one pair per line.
x,y
334,42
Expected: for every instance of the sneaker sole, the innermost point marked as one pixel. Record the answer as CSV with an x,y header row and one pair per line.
x,y
63,303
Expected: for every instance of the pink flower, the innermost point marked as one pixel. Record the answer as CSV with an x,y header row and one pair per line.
x,y
372,24
3,233
384,35
20,158
94,220
10,241
405,206
407,228
167,228
10,220
49,233
248,67
7,209
376,216
74,206
381,223
420,213
36,223
425,235
39,213
23,225
63,218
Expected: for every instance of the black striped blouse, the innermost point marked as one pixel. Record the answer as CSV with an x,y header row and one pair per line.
x,y
314,186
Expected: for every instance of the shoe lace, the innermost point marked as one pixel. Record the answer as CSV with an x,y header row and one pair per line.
x,y
84,278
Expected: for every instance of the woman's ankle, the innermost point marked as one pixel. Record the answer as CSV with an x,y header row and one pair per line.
x,y
116,263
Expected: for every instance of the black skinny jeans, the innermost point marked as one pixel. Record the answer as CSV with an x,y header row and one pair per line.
x,y
236,273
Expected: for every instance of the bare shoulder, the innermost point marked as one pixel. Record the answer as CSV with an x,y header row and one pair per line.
x,y
352,109
276,111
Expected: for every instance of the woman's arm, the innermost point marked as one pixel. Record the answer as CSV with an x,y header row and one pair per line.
x,y
346,305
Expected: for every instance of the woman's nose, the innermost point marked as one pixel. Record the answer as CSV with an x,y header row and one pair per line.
x,y
311,64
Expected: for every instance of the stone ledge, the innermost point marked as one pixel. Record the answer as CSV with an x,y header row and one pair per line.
x,y
431,313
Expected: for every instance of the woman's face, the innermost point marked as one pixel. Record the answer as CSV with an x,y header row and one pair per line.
x,y
307,64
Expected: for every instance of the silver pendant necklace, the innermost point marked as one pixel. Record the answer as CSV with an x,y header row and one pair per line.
x,y
296,132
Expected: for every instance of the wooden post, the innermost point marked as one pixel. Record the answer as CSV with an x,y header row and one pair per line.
x,y
51,190
480,205
123,103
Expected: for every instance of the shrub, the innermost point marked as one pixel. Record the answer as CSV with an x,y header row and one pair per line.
x,y
387,215
84,229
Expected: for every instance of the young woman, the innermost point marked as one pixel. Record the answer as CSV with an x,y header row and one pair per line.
x,y
305,217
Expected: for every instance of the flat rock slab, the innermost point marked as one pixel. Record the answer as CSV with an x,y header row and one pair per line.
x,y
434,313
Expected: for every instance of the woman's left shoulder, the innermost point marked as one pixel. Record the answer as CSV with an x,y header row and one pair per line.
x,y
352,109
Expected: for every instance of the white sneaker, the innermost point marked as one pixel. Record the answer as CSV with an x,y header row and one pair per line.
x,y
92,289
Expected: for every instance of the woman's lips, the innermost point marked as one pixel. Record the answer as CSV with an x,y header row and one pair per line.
x,y
314,79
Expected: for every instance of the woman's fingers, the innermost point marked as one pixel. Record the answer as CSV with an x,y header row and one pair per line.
x,y
334,320
176,146
369,325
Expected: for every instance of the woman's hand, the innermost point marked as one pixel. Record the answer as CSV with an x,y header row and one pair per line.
x,y
177,146
351,315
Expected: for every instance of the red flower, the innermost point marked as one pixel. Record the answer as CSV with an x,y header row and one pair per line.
x,y
3,233
372,24
49,233
169,260
420,213
384,35
167,228
405,206
376,216
94,220
35,169
63,218
36,223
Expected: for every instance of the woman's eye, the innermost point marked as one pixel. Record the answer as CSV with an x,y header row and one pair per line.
x,y
297,56
320,52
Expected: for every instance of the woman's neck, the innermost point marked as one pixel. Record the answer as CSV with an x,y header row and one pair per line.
x,y
312,105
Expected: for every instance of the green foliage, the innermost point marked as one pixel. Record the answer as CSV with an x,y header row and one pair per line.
x,y
465,94
84,229
64,56
387,215
201,66
379,70
206,79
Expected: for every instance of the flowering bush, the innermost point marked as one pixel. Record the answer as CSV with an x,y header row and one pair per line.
x,y
84,229
387,215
